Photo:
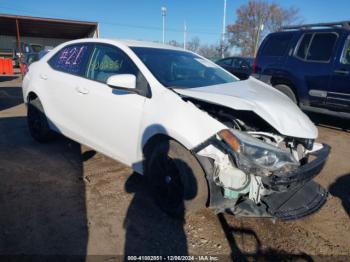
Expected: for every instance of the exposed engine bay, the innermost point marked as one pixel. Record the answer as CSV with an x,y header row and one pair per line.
x,y
252,163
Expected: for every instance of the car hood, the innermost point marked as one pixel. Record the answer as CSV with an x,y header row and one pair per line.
x,y
265,101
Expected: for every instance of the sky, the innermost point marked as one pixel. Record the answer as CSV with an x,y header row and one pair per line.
x,y
141,19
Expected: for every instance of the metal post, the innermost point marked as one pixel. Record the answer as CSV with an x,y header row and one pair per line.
x,y
163,29
18,37
223,31
163,12
98,31
260,28
185,34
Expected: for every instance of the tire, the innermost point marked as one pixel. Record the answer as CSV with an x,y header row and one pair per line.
x,y
287,91
176,179
37,122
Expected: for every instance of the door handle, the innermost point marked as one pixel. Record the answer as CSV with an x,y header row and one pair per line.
x,y
82,90
341,72
43,76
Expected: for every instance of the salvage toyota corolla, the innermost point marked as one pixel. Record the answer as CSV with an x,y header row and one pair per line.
x,y
201,136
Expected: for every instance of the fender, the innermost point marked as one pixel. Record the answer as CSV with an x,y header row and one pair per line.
x,y
188,131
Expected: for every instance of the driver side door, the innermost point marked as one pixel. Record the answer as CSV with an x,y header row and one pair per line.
x,y
111,118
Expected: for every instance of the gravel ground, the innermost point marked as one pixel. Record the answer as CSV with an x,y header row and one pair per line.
x,y
65,199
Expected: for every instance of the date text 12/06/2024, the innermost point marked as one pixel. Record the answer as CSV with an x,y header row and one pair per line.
x,y
173,258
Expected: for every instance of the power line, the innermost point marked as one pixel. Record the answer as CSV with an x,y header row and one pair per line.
x,y
154,28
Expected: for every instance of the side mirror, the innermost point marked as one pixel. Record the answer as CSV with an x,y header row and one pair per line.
x,y
125,82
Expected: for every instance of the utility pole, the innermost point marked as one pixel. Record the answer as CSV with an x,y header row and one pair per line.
x,y
260,28
163,12
223,31
185,34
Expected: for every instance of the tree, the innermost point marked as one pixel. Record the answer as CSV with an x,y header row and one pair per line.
x,y
255,20
193,45
174,43
209,51
212,52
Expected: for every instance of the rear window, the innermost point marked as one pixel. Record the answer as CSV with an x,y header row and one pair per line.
x,y
276,45
304,46
227,61
321,47
317,47
345,59
72,59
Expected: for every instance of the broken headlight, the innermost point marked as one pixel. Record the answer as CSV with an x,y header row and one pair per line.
x,y
252,153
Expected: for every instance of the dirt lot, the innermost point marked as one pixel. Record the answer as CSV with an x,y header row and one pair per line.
x,y
65,199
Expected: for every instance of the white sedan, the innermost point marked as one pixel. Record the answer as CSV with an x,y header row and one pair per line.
x,y
202,137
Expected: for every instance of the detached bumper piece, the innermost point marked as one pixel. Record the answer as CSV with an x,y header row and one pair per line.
x,y
297,195
294,195
296,203
302,175
290,205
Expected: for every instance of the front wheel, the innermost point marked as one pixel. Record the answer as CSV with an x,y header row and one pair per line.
x,y
177,181
37,122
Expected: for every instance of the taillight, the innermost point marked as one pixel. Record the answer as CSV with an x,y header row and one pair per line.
x,y
24,69
254,66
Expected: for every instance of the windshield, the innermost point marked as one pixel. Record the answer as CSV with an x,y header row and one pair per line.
x,y
182,69
36,48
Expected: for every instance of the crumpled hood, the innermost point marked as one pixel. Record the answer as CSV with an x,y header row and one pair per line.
x,y
253,95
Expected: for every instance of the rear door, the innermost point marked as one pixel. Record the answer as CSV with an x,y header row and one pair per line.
x,y
241,68
313,64
273,52
62,79
338,96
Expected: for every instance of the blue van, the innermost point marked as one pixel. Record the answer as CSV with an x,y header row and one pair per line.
x,y
310,64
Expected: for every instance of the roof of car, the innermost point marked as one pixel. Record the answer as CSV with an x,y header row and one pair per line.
x,y
308,30
135,43
129,43
338,25
239,57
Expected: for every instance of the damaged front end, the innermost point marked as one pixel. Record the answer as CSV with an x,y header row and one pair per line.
x,y
263,174
264,162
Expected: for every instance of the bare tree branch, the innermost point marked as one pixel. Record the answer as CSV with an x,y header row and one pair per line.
x,y
194,44
255,20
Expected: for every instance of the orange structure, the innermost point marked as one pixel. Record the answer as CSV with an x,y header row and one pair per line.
x,y
6,67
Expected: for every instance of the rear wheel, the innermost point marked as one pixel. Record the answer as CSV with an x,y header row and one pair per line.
x,y
37,122
177,181
287,91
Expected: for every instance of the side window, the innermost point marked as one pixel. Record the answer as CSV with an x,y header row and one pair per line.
x,y
304,46
244,64
107,61
236,63
321,47
72,59
345,59
276,45
241,63
227,62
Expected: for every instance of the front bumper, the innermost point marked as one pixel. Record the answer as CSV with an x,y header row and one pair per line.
x,y
296,203
282,182
295,194
292,195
